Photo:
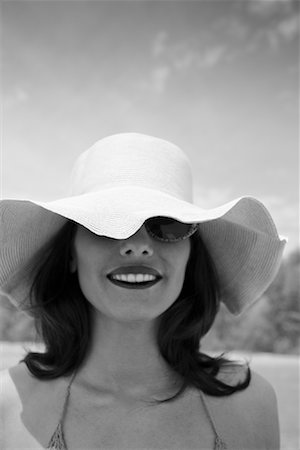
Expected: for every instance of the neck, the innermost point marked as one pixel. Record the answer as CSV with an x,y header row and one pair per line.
x,y
124,358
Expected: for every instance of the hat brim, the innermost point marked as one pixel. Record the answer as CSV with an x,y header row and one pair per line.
x,y
240,235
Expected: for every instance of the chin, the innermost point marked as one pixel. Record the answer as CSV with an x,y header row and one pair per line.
x,y
135,314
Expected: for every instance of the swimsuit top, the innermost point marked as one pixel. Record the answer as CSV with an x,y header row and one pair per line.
x,y
57,441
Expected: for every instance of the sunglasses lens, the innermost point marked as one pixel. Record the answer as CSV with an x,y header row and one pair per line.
x,y
167,229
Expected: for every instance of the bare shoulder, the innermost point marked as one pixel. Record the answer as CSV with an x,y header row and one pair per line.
x,y
16,401
9,389
17,383
34,404
261,390
234,374
26,383
10,407
31,389
250,414
261,401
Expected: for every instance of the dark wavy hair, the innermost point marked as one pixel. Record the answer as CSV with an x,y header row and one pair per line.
x,y
63,319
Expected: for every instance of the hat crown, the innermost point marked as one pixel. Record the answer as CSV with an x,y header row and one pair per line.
x,y
133,159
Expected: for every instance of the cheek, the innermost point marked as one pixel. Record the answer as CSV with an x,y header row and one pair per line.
x,y
85,276
84,263
182,254
88,269
90,253
179,258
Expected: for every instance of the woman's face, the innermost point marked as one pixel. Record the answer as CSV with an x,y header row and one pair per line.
x,y
129,279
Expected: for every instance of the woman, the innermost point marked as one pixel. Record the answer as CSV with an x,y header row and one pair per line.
x,y
124,277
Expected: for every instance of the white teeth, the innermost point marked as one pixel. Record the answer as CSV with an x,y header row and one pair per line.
x,y
134,277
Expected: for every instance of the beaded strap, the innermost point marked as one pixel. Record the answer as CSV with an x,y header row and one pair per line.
x,y
57,441
219,443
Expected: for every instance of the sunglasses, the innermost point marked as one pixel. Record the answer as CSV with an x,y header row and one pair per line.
x,y
169,230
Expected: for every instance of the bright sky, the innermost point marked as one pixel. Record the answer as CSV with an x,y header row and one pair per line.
x,y
218,78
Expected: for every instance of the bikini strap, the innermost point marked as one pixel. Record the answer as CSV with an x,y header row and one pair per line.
x,y
219,443
67,398
57,440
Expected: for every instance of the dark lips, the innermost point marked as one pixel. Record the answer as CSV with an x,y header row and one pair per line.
x,y
142,285
134,270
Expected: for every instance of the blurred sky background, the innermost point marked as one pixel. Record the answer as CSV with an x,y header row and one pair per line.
x,y
218,78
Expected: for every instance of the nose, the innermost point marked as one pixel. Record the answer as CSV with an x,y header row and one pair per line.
x,y
139,244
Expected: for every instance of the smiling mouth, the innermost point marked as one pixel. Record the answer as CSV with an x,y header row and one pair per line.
x,y
134,281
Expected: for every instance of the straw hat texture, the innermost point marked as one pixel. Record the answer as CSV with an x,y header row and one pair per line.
x,y
116,185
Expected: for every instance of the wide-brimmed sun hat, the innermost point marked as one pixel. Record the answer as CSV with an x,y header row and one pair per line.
x,y
119,183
